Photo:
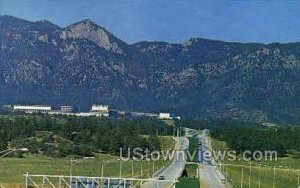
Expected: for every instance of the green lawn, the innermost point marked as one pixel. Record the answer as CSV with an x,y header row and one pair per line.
x,y
188,183
284,177
264,175
12,169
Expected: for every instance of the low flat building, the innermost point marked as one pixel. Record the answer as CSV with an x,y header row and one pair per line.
x,y
99,108
66,109
33,108
143,114
165,116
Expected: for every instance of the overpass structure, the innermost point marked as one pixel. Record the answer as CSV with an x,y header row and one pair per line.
x,y
57,181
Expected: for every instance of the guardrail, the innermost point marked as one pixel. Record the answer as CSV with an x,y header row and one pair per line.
x,y
157,173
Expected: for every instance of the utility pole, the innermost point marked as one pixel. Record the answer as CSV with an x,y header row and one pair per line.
x,y
148,168
120,168
27,182
132,174
274,174
259,176
71,163
153,167
102,169
242,177
250,173
199,175
141,169
226,173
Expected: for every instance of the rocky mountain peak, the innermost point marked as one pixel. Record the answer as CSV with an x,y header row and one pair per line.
x,y
190,42
88,22
86,29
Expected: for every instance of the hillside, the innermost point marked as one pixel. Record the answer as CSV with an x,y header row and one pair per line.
x,y
84,64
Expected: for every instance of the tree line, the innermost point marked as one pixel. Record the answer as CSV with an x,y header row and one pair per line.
x,y
241,136
60,136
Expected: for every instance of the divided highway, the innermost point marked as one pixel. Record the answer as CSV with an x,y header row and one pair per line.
x,y
210,175
174,170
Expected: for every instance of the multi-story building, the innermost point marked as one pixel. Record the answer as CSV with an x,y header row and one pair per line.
x,y
100,110
33,108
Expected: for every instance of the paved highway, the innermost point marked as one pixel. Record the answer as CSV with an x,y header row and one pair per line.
x,y
174,170
210,175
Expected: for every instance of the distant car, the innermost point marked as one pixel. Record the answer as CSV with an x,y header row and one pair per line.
x,y
161,178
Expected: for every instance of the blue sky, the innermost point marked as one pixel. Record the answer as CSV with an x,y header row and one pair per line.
x,y
172,20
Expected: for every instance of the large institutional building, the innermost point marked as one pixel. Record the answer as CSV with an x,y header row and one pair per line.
x,y
96,110
33,108
164,116
66,109
100,110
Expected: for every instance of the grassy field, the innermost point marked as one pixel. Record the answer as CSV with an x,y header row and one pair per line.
x,y
12,169
188,183
264,175
286,171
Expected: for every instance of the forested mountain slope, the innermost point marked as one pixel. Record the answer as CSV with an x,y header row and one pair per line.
x,y
84,64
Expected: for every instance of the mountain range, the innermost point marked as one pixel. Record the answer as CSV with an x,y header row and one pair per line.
x,y
84,64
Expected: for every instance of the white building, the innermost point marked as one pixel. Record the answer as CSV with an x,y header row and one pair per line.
x,y
66,109
164,116
33,108
100,110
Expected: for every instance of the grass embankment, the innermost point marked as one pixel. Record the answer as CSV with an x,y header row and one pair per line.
x,y
12,169
193,149
262,171
188,183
